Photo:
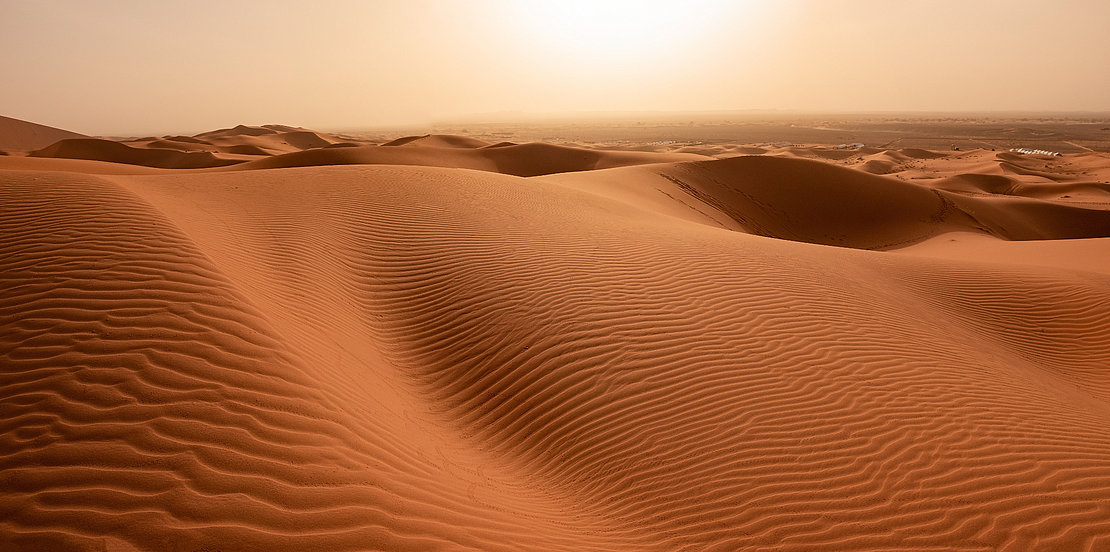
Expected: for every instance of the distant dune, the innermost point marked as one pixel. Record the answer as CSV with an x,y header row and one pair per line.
x,y
447,343
239,130
440,141
455,151
115,152
263,140
17,135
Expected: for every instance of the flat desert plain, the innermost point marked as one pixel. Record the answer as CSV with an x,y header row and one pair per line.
x,y
268,338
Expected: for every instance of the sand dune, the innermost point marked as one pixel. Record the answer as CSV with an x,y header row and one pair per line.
x,y
17,135
1073,178
189,139
877,166
1004,185
159,143
116,152
809,201
243,140
1086,172
1088,255
242,130
84,166
277,143
519,159
277,146
634,351
304,139
439,141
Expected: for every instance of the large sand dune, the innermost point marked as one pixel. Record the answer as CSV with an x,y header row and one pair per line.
x,y
663,354
17,135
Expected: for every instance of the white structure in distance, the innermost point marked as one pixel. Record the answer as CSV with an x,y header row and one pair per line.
x,y
1028,151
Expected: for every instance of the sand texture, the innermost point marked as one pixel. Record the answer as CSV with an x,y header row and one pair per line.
x,y
21,136
446,343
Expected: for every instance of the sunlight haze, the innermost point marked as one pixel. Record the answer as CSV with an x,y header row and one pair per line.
x,y
193,66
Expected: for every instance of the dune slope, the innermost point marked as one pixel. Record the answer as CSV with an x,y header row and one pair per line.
x,y
18,135
815,202
115,152
532,159
414,358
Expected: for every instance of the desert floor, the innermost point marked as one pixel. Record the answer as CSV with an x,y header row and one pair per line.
x,y
561,337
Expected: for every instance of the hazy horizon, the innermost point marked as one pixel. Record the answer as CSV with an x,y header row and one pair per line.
x,y
128,68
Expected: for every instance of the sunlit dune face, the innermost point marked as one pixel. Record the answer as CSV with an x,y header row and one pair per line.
x,y
623,30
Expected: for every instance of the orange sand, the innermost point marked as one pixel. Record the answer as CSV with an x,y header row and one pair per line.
x,y
19,136
637,351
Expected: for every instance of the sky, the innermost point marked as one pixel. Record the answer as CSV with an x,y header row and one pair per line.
x,y
140,67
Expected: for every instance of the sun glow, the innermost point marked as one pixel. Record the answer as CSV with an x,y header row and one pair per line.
x,y
624,29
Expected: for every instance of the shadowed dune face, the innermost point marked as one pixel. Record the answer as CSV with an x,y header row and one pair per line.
x,y
187,139
115,152
304,140
815,202
148,398
242,140
440,141
242,130
390,357
995,184
517,159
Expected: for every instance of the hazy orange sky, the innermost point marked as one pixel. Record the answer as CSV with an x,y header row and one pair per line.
x,y
140,67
